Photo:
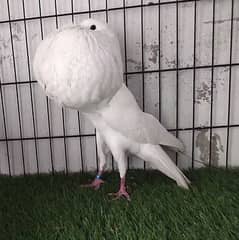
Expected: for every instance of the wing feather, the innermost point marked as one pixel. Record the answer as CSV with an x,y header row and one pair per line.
x,y
124,115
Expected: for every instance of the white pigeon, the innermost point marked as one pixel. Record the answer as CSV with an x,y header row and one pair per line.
x,y
81,67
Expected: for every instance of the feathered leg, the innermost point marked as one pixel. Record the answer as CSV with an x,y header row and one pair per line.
x,y
121,160
102,154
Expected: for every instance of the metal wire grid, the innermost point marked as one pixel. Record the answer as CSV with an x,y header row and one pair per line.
x,y
73,13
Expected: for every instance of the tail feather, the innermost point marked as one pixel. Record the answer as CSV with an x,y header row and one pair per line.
x,y
158,157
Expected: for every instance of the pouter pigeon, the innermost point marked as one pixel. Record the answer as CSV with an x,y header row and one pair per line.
x,y
81,67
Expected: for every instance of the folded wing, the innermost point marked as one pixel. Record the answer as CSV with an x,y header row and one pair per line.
x,y
124,115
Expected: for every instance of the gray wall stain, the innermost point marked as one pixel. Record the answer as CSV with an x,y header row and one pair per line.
x,y
170,63
217,147
157,104
203,143
18,33
154,48
203,93
5,50
16,37
138,65
226,69
4,43
17,28
221,79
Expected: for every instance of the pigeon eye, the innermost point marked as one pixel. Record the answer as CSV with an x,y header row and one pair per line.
x,y
93,27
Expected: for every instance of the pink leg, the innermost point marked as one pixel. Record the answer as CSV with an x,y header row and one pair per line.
x,y
122,191
96,183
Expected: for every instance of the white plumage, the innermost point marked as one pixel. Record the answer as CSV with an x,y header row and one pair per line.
x,y
124,115
81,67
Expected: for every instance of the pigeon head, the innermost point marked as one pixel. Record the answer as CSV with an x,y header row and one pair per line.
x,y
80,66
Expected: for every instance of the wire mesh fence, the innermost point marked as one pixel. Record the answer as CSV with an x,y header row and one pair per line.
x,y
181,61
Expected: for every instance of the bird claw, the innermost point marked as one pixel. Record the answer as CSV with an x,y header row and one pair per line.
x,y
95,184
120,194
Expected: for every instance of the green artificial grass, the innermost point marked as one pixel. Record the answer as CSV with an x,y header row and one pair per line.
x,y
56,207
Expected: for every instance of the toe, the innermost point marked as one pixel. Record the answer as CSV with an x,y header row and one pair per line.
x,y
126,195
112,194
119,195
95,184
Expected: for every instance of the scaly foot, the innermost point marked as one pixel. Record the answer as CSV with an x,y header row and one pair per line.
x,y
121,193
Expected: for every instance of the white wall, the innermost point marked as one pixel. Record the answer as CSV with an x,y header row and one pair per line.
x,y
159,103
